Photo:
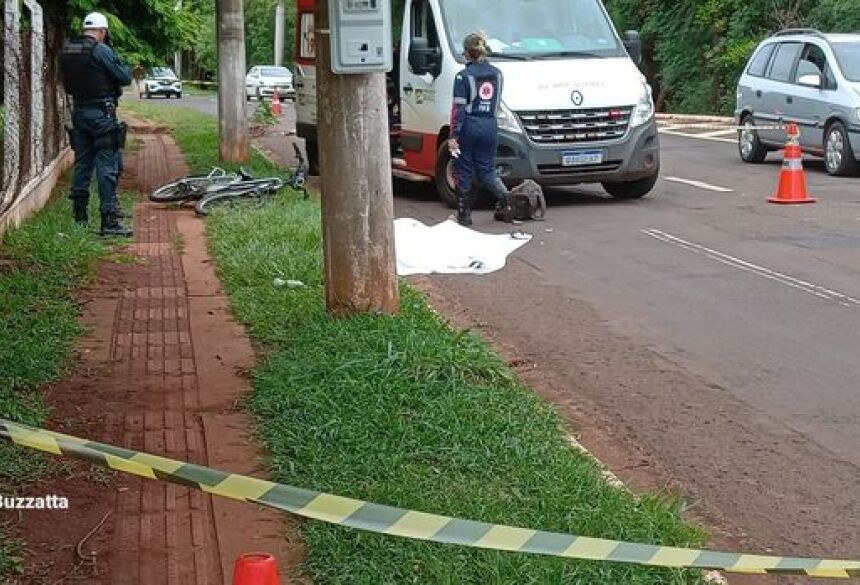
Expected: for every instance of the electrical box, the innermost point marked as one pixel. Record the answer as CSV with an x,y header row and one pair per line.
x,y
361,38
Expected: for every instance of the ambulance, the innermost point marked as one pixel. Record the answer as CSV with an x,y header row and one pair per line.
x,y
575,107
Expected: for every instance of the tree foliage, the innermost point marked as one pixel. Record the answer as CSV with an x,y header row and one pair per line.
x,y
259,35
143,31
695,50
150,31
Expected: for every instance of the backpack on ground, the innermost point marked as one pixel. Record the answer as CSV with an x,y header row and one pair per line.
x,y
527,201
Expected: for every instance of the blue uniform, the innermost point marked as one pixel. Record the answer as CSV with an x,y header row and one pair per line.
x,y
94,75
477,98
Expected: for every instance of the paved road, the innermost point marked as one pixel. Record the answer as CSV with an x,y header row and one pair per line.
x,y
208,104
700,336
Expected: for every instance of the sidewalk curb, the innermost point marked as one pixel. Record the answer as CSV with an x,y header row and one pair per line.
x,y
693,119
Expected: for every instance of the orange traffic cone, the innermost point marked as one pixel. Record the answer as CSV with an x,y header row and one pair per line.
x,y
256,569
792,179
276,103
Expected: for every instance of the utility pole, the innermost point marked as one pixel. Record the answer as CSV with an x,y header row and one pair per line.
x,y
280,32
357,201
233,127
177,56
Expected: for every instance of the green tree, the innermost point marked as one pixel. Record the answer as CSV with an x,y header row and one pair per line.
x,y
143,31
695,50
260,31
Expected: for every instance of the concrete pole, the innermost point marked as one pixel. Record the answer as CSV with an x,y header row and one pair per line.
x,y
233,127
357,203
177,56
280,32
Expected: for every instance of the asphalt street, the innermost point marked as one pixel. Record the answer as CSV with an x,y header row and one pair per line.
x,y
700,336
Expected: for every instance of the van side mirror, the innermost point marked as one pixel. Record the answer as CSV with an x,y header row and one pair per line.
x,y
425,59
633,44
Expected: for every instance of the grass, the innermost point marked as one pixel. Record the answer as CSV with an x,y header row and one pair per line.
x,y
208,91
45,262
405,411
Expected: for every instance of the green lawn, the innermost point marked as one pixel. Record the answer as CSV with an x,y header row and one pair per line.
x,y
43,264
407,412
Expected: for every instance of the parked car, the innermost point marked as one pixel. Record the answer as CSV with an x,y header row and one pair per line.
x,y
160,81
262,81
807,77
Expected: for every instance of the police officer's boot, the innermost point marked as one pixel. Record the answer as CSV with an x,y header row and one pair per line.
x,y
464,209
120,214
82,216
112,227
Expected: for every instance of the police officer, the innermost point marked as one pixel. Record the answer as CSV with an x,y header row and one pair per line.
x,y
94,76
474,131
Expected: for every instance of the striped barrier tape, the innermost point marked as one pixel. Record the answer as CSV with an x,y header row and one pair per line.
x,y
393,521
704,126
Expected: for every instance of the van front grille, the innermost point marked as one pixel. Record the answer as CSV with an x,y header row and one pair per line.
x,y
576,126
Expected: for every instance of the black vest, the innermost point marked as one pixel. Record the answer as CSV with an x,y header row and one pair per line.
x,y
83,77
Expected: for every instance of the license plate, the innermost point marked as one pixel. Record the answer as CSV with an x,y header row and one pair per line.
x,y
581,157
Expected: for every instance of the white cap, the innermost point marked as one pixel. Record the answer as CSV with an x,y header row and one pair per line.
x,y
95,20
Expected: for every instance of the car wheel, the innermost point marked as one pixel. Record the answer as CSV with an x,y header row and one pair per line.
x,y
481,198
179,96
749,145
632,189
838,154
445,176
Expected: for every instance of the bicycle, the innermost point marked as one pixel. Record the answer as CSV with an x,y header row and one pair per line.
x,y
193,187
257,189
219,186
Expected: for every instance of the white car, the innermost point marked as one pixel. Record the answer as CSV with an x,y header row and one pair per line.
x,y
262,81
160,81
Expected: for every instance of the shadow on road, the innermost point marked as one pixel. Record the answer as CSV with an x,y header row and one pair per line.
x,y
555,196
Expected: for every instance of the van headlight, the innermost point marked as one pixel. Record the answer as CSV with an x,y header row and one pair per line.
x,y
507,120
644,110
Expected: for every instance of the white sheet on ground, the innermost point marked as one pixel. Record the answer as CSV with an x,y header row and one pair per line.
x,y
449,248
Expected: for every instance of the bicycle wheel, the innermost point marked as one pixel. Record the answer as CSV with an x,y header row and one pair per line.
x,y
227,197
173,192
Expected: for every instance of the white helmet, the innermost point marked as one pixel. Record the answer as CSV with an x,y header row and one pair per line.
x,y
95,20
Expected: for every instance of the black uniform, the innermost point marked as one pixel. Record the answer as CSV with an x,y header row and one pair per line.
x,y
94,76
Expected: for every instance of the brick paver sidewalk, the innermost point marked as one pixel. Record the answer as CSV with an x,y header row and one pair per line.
x,y
163,369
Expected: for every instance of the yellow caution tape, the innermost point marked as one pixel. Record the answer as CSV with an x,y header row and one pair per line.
x,y
383,519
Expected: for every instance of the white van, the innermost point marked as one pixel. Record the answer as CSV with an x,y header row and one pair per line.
x,y
575,108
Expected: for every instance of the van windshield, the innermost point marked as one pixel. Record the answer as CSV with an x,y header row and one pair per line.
x,y
848,55
534,28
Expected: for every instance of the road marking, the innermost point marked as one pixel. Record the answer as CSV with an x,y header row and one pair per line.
x,y
730,132
699,184
784,279
671,132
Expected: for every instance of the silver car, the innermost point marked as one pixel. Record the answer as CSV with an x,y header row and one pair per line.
x,y
262,81
813,79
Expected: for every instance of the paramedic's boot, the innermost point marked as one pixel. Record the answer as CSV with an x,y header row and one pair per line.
x,y
112,227
82,215
503,201
464,210
504,213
